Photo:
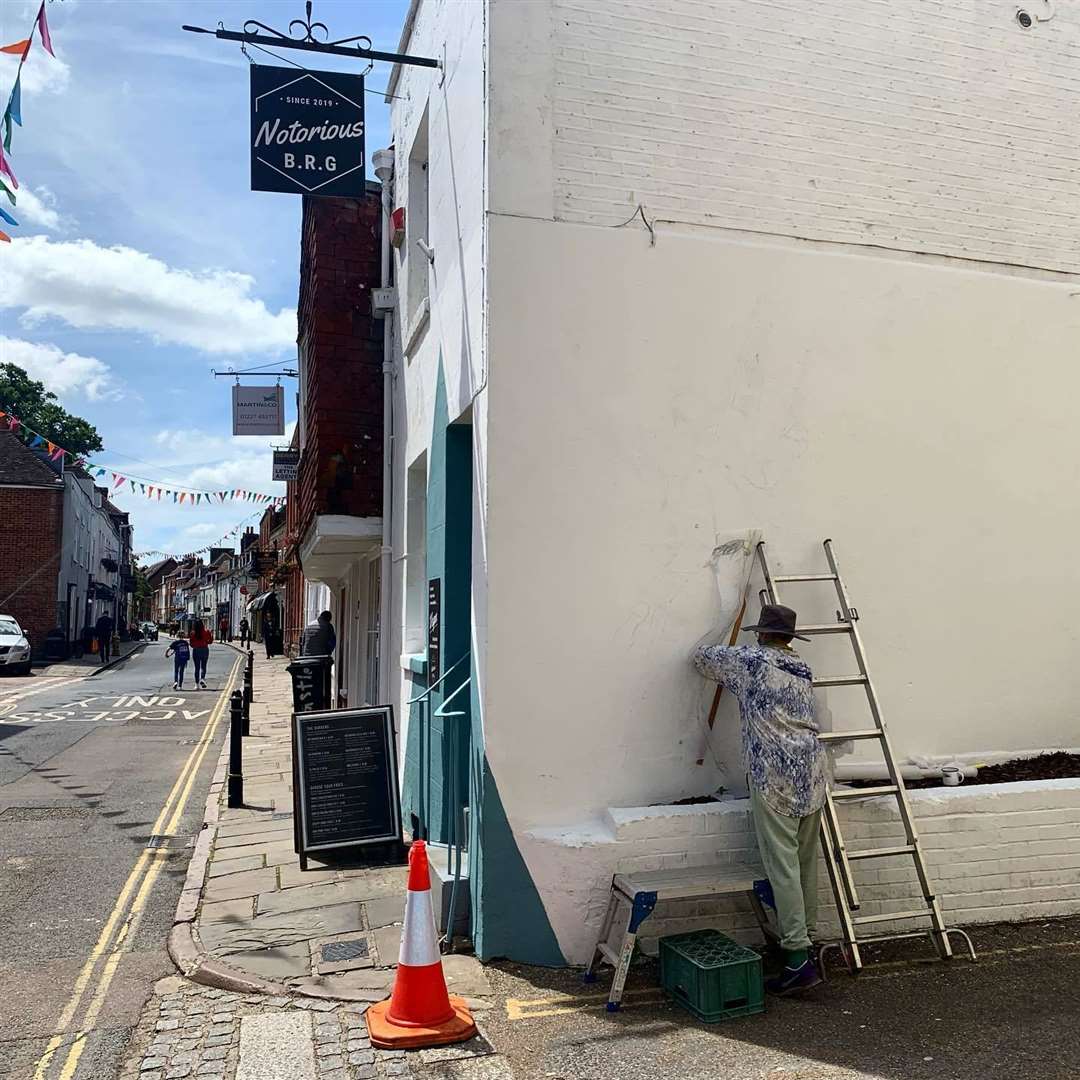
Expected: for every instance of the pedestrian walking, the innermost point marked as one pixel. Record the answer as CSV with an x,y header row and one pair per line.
x,y
245,633
787,773
179,651
269,632
223,629
200,639
319,638
103,628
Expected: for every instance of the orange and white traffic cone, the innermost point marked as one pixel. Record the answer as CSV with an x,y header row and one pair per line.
x,y
419,1012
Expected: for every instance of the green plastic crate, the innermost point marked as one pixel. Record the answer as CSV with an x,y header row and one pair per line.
x,y
711,975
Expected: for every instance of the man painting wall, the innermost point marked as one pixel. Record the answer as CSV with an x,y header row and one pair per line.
x,y
786,763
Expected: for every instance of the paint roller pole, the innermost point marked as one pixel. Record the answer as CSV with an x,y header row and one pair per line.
x,y
720,686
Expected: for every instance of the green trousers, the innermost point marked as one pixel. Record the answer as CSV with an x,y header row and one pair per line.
x,y
789,854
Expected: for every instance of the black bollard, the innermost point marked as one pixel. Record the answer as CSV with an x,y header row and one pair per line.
x,y
247,700
236,749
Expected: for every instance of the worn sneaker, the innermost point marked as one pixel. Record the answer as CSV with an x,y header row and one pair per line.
x,y
176,686
792,980
203,684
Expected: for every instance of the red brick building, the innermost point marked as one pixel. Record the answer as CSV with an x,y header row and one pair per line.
x,y
334,508
31,538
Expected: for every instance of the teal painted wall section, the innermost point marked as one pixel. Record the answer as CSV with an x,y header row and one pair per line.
x,y
411,778
449,558
508,916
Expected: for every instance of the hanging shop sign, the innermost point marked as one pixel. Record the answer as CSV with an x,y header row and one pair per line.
x,y
434,630
258,410
345,781
307,131
286,464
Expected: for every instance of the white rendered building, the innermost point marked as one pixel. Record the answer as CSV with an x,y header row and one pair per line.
x,y
674,271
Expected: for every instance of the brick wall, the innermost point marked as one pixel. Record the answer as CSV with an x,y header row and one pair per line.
x,y
31,522
995,853
921,126
341,351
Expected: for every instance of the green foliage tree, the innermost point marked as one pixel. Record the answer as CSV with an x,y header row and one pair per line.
x,y
142,594
39,409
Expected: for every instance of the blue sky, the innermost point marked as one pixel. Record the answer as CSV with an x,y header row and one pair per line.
x,y
143,261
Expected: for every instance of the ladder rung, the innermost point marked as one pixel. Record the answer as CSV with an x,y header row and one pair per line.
x,y
824,628
804,577
841,680
882,852
844,736
866,792
892,915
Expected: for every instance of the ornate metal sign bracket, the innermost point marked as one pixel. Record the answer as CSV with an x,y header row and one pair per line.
x,y
312,36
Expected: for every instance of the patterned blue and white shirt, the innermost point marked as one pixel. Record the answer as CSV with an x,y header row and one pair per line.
x,y
785,758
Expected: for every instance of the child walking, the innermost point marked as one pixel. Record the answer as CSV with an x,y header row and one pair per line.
x,y
180,652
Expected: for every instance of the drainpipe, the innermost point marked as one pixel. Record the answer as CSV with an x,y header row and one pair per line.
x,y
383,163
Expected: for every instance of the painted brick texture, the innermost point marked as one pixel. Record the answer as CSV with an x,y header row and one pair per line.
x,y
995,853
31,521
342,352
920,126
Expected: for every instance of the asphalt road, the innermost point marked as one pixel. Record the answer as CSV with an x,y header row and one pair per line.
x,y
102,785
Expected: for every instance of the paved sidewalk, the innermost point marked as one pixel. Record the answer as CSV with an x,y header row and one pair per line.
x,y
296,956
87,664
188,1030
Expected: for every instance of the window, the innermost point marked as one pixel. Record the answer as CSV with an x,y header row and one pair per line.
x,y
416,265
416,558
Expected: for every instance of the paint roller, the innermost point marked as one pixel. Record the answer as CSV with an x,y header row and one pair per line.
x,y
732,563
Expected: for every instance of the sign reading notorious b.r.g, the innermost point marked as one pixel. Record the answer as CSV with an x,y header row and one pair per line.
x,y
307,131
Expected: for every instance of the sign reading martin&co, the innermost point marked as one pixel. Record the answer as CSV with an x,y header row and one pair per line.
x,y
307,131
258,410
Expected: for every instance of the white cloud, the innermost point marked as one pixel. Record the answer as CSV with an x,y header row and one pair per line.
x,y
202,530
119,288
39,208
62,373
41,74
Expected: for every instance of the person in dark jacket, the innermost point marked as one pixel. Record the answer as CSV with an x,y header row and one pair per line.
x,y
245,634
319,637
103,629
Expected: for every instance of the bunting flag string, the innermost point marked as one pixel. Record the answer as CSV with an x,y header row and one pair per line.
x,y
12,115
138,485
222,541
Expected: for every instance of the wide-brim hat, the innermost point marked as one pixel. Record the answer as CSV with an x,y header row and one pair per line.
x,y
775,619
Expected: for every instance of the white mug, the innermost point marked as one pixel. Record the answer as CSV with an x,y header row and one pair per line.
x,y
952,775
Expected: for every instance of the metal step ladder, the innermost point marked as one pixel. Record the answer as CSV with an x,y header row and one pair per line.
x,y
838,857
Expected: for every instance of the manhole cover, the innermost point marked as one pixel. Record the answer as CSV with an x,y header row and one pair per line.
x,y
43,813
337,951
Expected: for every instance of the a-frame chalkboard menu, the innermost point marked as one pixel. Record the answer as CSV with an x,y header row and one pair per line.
x,y
345,780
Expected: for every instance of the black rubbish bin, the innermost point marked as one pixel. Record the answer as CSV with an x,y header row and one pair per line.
x,y
310,683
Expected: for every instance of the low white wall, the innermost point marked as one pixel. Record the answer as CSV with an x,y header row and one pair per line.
x,y
995,852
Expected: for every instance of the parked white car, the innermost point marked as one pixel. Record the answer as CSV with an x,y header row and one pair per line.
x,y
14,647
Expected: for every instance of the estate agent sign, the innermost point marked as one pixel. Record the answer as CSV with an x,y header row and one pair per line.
x,y
286,464
307,131
258,410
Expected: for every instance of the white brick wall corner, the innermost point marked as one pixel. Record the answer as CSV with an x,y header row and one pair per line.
x,y
996,853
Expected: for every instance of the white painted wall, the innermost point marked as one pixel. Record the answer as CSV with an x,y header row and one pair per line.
x,y
855,322
920,415
926,126
454,104
995,853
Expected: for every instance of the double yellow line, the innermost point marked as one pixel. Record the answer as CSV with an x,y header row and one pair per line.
x,y
125,917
